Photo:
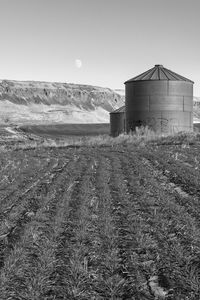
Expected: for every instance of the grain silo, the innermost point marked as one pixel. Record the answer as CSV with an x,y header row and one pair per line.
x,y
160,99
117,121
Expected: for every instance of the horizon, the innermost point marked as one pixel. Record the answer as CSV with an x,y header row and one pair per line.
x,y
99,43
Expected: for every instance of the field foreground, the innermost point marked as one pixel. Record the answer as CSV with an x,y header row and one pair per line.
x,y
109,222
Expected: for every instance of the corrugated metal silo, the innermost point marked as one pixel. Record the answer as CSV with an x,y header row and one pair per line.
x,y
160,99
117,121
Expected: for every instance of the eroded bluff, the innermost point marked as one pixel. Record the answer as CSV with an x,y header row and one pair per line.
x,y
85,97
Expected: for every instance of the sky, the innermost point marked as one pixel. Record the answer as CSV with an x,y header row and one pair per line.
x,y
98,42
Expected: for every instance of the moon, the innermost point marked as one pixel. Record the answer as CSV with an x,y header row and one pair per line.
x,y
78,63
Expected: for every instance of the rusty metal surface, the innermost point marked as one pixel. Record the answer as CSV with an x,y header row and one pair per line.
x,y
117,123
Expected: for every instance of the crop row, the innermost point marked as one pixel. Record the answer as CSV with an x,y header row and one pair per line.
x,y
29,240
178,172
171,225
100,224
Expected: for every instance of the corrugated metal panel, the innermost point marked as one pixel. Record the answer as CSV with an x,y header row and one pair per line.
x,y
117,123
164,102
140,103
160,103
176,121
143,118
163,121
177,88
188,103
146,88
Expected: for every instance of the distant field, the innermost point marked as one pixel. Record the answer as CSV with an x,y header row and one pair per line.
x,y
66,130
61,130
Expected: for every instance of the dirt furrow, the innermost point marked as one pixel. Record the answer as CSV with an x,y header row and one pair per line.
x,y
109,282
174,230
185,176
134,267
72,274
38,243
12,227
190,203
25,182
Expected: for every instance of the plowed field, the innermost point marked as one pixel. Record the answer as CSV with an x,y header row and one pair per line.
x,y
116,222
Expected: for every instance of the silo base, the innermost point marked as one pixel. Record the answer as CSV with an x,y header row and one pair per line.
x,y
168,122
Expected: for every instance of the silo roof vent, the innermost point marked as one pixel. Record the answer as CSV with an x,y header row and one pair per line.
x,y
158,72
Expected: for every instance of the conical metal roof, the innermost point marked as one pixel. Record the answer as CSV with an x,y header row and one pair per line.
x,y
119,110
159,73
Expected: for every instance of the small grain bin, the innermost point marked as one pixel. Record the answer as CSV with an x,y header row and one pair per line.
x,y
117,121
159,99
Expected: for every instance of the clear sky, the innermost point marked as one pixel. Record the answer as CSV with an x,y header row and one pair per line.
x,y
98,42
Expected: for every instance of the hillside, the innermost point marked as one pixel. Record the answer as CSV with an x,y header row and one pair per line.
x,y
48,102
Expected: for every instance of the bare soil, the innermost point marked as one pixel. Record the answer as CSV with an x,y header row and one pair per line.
x,y
118,222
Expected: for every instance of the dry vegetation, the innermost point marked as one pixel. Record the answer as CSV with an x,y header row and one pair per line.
x,y
102,219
